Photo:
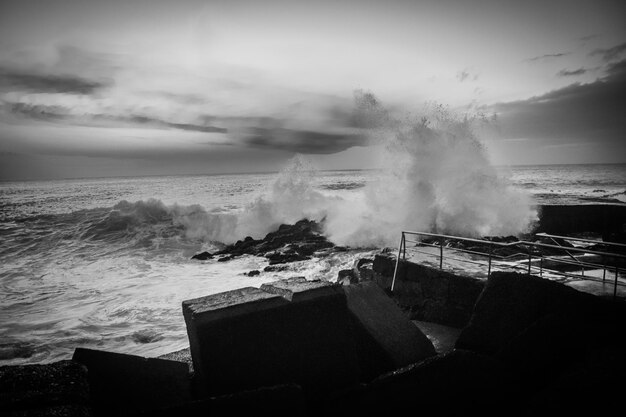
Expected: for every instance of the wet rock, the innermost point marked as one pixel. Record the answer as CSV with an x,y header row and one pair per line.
x,y
347,277
202,256
289,243
285,257
253,273
276,268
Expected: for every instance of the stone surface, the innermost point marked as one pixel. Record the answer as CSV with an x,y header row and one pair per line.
x,y
385,338
58,388
250,338
183,355
510,303
301,289
127,384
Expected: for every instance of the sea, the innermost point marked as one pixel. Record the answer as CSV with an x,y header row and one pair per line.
x,y
105,263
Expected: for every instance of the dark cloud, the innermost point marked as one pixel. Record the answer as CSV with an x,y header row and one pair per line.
x,y
300,141
154,122
571,73
63,114
191,99
587,38
609,54
547,56
38,111
580,112
47,83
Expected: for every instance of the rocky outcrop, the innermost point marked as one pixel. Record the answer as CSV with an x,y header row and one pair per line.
x,y
290,243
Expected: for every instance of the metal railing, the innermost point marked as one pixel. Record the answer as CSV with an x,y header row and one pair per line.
x,y
543,258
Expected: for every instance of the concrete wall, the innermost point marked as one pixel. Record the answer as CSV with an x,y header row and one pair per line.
x,y
427,293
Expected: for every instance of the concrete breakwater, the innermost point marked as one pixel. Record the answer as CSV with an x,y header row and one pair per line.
x,y
303,347
299,347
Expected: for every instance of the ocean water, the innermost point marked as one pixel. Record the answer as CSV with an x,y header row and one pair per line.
x,y
105,263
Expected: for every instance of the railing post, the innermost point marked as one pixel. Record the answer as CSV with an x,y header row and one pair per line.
x,y
440,253
529,258
395,271
403,247
490,252
541,266
615,285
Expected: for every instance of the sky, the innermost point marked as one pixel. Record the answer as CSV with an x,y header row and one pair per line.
x,y
153,87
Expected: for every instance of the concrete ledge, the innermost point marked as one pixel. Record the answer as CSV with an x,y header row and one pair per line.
x,y
230,304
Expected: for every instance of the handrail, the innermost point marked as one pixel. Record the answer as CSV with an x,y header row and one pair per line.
x,y
530,249
579,239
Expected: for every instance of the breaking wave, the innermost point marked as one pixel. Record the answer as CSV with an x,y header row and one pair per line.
x,y
434,176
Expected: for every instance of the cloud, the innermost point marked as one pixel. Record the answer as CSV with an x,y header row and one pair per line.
x,y
609,54
579,112
465,75
38,111
547,56
571,73
48,83
300,141
66,115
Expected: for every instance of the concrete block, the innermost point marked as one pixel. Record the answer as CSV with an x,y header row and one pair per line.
x,y
291,331
510,303
385,338
127,384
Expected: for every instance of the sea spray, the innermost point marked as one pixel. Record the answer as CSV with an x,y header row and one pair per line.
x,y
436,177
